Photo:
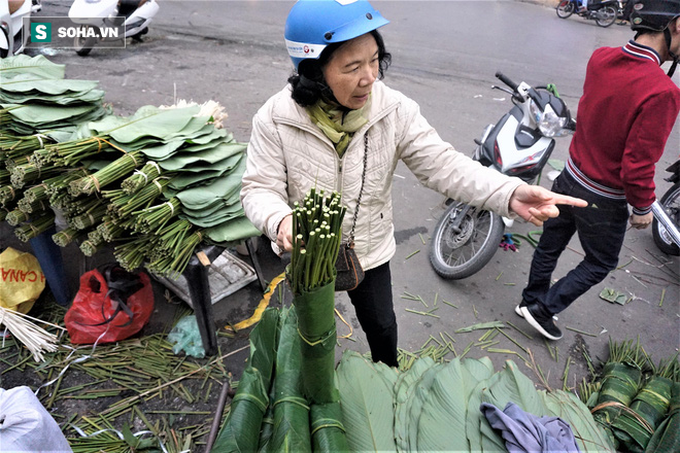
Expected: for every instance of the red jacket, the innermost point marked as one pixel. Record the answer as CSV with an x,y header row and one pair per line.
x,y
628,109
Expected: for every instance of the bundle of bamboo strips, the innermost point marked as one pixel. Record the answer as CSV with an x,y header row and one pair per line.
x,y
34,337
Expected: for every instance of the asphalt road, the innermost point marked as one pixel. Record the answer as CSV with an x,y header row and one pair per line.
x,y
445,55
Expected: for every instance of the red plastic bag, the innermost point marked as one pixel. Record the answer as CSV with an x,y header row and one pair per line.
x,y
112,304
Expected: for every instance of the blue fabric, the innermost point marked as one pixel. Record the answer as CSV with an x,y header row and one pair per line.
x,y
525,433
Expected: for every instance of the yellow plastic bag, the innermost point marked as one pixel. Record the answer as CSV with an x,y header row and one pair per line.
x,y
21,280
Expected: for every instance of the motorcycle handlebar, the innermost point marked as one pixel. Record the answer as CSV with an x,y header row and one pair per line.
x,y
506,81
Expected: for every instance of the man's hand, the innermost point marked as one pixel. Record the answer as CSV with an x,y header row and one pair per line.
x,y
640,222
537,204
284,236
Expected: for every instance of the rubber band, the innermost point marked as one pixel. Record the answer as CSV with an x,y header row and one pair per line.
x,y
160,187
293,399
133,158
155,164
96,183
39,137
332,423
251,398
99,140
331,333
139,172
172,208
644,423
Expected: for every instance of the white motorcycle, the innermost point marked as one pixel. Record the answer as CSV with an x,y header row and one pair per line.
x,y
134,16
14,33
666,225
519,144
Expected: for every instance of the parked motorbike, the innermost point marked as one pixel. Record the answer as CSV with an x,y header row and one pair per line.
x,y
133,15
519,144
603,13
667,215
13,34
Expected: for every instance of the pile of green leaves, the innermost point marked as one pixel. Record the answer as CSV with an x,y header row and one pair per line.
x,y
154,184
38,107
435,406
35,97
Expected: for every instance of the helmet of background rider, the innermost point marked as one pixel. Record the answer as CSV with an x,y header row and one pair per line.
x,y
313,24
653,15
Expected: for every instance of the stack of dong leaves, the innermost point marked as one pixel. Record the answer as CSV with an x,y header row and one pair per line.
x,y
292,397
155,184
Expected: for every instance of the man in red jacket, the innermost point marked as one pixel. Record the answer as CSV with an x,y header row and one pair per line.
x,y
625,116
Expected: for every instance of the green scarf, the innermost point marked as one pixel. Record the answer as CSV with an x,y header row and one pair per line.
x,y
337,124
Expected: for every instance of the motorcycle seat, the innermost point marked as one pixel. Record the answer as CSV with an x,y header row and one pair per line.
x,y
14,5
127,7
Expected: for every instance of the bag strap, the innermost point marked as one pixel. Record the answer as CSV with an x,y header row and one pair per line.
x,y
350,243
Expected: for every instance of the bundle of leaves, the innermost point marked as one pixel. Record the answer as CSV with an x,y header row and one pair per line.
x,y
270,411
632,398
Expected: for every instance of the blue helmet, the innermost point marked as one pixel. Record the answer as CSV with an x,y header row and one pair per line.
x,y
313,24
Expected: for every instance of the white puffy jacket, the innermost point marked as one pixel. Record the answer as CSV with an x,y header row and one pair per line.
x,y
287,155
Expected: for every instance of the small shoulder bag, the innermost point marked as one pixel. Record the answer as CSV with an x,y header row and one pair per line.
x,y
349,270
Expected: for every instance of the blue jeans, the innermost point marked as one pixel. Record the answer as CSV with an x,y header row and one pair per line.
x,y
374,306
600,230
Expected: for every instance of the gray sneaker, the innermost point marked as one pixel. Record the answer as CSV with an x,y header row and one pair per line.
x,y
540,320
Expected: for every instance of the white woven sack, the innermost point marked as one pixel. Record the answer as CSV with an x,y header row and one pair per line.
x,y
26,426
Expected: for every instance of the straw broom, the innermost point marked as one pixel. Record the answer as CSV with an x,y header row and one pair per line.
x,y
34,337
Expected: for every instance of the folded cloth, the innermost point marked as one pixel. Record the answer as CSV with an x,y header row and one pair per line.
x,y
524,432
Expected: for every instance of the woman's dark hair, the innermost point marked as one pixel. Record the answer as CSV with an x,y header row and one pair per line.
x,y
308,82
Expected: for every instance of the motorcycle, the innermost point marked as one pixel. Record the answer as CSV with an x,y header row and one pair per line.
x,y
666,221
13,32
603,13
132,15
519,144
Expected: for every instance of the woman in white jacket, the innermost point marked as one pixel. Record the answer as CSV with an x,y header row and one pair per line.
x,y
337,127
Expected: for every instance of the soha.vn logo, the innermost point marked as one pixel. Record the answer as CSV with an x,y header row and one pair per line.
x,y
42,32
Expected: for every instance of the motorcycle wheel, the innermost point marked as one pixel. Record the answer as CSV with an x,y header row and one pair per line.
x,y
565,9
670,201
82,45
606,16
455,255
